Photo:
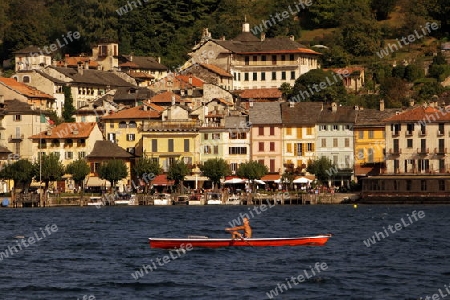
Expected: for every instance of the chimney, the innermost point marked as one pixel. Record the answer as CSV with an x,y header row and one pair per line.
x,y
86,65
246,27
80,68
291,104
292,38
190,79
173,99
159,59
381,105
411,102
2,99
131,58
333,107
223,38
263,36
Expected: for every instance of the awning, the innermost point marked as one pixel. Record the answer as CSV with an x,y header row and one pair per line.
x,y
194,178
271,177
161,180
96,181
301,180
234,181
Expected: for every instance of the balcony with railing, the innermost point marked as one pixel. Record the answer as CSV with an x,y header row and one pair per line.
x,y
17,138
423,151
440,151
395,151
171,125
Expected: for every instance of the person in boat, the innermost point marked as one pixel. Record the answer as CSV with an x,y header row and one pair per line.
x,y
235,234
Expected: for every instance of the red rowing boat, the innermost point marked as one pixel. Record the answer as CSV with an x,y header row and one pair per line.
x,y
205,242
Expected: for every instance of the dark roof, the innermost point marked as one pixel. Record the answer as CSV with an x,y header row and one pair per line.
x,y
107,149
302,113
16,107
30,50
248,43
343,114
94,77
236,122
142,62
373,117
4,150
133,93
265,113
53,79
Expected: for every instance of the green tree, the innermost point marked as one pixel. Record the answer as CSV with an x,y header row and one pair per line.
x,y
48,168
177,171
79,169
21,172
286,90
309,87
146,168
252,170
394,91
113,170
322,168
68,109
383,8
413,72
215,169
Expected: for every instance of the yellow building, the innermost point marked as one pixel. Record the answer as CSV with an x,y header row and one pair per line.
x,y
370,140
124,128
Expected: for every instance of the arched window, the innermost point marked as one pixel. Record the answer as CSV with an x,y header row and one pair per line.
x,y
132,124
123,124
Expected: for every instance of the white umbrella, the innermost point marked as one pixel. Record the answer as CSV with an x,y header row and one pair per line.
x,y
257,181
234,181
302,180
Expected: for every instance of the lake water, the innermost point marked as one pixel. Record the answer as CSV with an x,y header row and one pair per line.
x,y
91,253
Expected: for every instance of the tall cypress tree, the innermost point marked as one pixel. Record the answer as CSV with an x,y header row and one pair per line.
x,y
68,109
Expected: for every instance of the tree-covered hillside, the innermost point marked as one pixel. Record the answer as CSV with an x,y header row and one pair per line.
x,y
170,28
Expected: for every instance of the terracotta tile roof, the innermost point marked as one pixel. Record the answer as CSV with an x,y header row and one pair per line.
x,y
137,112
196,82
347,70
129,64
108,150
74,61
270,177
14,107
268,93
67,131
165,97
302,113
23,89
141,75
265,113
420,113
217,70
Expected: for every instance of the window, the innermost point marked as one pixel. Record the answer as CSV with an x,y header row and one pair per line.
x,y
310,147
261,146
263,76
68,143
309,131
260,130
272,146
122,124
335,143
274,75
274,59
69,155
272,130
233,167
216,149
131,137
255,58
81,143
245,76
347,142
112,137
154,145
55,143
247,60
131,150
238,135
409,143
186,145
255,76
237,150
408,185
323,128
335,127
132,124
292,75
291,57
324,143
17,118
441,184
289,148
263,58
283,57
111,125
215,136
205,136
207,149
170,145
81,154
283,75
371,134
26,79
272,165
423,185
361,134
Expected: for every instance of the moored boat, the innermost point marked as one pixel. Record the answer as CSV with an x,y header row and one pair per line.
x,y
181,200
213,198
197,200
162,199
205,242
233,200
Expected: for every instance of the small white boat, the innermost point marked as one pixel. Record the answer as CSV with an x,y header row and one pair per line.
x,y
233,200
95,201
182,200
214,199
197,200
131,201
162,199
